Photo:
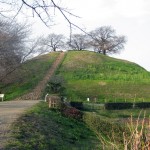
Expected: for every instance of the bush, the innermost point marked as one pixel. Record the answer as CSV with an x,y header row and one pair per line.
x,y
56,85
142,105
77,105
71,112
115,106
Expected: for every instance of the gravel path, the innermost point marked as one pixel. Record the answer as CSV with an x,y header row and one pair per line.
x,y
9,111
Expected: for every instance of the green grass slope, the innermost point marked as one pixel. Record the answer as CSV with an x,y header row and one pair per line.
x,y
93,75
87,74
26,77
44,129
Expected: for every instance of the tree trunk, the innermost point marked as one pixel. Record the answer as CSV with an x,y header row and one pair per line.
x,y
104,52
54,49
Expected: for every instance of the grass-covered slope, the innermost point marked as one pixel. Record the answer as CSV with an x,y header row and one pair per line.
x,y
87,74
26,77
44,129
93,75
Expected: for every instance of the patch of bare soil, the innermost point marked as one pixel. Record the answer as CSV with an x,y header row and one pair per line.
x,y
9,112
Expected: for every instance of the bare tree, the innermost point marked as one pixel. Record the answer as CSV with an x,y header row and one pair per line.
x,y
79,42
15,46
12,42
32,49
53,42
45,10
105,41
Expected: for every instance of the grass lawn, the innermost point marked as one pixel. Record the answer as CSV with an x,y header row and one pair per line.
x,y
90,74
121,114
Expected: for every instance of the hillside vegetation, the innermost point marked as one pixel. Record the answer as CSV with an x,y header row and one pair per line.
x,y
27,76
42,128
87,74
94,75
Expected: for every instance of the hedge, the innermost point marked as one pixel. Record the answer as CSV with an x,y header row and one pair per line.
x,y
77,105
142,105
116,106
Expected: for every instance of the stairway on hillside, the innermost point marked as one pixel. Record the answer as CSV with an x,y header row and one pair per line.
x,y
37,91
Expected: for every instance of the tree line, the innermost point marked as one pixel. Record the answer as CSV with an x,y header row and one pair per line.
x,y
16,46
102,40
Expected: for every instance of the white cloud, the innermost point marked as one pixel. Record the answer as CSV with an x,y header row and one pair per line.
x,y
132,8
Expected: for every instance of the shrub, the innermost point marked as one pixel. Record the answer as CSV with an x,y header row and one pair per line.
x,y
77,105
72,112
56,85
115,106
142,105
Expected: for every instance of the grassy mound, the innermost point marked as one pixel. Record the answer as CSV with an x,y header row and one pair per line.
x,y
93,75
87,74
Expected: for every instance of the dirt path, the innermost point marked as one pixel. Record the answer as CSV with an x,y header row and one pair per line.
x,y
9,111
37,91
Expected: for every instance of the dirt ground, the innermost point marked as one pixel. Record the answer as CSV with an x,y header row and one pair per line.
x,y
9,111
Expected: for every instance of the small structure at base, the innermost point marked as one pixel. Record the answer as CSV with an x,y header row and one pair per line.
x,y
54,101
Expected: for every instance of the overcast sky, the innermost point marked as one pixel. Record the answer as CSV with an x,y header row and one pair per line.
x,y
128,17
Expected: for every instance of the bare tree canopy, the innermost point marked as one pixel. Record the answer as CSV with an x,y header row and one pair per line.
x,y
12,42
45,10
15,46
53,42
105,41
78,42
